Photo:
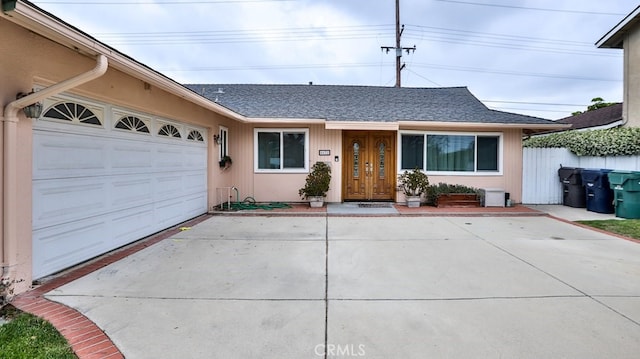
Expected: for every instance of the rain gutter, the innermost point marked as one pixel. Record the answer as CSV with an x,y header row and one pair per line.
x,y
10,150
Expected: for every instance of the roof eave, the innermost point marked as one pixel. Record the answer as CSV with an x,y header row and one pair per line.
x,y
613,39
30,17
487,125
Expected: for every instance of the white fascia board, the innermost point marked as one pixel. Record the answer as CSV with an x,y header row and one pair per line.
x,y
361,125
465,125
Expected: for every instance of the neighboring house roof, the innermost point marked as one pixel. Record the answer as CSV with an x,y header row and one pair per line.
x,y
614,38
605,117
359,103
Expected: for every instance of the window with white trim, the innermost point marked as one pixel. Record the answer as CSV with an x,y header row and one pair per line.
x,y
223,142
281,150
444,153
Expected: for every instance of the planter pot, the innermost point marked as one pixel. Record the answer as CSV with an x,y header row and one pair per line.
x,y
413,201
458,200
316,201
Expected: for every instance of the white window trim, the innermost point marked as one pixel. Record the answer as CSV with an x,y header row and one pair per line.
x,y
224,144
476,173
281,131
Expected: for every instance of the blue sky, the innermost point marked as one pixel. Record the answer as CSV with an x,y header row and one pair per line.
x,y
535,57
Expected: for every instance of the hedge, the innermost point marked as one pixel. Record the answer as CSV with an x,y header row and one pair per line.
x,y
624,141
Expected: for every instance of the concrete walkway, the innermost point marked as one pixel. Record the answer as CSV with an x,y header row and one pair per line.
x,y
370,287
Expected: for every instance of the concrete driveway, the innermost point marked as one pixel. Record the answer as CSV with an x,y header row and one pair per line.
x,y
371,287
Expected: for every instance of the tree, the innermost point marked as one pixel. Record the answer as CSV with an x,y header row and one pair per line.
x,y
597,102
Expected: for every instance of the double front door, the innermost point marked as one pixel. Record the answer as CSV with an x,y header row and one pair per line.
x,y
369,165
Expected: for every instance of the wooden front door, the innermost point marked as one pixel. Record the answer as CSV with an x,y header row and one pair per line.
x,y
369,165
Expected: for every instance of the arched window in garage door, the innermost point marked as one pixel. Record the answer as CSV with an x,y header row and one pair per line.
x,y
132,123
195,135
73,112
169,131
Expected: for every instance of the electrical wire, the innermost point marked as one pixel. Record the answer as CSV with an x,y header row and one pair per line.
x,y
533,8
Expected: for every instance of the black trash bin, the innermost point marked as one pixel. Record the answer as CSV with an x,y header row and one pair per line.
x,y
573,193
599,195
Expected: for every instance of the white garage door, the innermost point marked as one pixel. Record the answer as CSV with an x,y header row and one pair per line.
x,y
103,178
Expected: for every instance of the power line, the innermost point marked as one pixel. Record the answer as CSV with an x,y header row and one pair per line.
x,y
533,8
457,32
373,64
420,33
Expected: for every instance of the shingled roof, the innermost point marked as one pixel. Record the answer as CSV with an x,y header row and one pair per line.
x,y
602,117
358,103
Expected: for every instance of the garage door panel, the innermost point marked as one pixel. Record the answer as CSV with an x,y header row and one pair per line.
x,y
168,185
169,157
95,190
132,224
194,183
195,158
131,191
138,158
55,247
169,212
66,200
57,156
193,204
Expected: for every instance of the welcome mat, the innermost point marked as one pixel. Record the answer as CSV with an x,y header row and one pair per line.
x,y
375,205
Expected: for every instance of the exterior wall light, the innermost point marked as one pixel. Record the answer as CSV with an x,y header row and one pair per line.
x,y
32,111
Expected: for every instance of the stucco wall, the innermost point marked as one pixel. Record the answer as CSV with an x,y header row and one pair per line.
x,y
631,92
282,187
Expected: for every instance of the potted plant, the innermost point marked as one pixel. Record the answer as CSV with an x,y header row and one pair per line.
x,y
317,184
225,161
413,184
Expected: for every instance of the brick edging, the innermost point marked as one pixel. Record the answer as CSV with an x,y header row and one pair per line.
x,y
87,340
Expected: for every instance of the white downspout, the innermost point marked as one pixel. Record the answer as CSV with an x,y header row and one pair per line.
x,y
10,125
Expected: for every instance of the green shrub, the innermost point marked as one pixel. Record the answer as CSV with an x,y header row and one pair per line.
x,y
623,141
434,190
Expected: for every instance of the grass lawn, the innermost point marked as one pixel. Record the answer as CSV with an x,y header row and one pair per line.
x,y
29,337
625,227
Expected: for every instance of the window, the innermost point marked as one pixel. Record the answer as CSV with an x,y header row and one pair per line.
x,y
223,142
283,150
454,153
73,112
450,153
169,131
195,135
412,151
132,123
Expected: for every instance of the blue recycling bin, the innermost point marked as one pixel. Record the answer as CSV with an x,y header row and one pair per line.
x,y
598,193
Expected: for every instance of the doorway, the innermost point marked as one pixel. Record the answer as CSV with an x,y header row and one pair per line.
x,y
369,165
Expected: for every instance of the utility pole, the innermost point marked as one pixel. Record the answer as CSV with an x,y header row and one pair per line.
x,y
398,48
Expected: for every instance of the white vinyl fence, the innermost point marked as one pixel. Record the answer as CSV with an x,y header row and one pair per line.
x,y
540,182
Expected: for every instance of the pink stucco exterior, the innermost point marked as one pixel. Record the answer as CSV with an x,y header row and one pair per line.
x,y
37,52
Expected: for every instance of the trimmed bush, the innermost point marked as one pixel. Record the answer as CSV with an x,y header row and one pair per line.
x,y
623,141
